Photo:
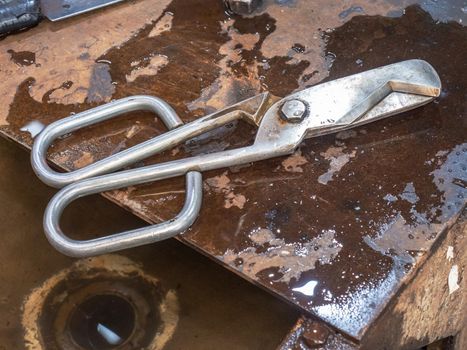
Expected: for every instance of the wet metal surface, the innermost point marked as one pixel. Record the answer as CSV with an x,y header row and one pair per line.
x,y
310,334
204,304
335,228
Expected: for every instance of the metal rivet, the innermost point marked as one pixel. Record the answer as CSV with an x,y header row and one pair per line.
x,y
294,111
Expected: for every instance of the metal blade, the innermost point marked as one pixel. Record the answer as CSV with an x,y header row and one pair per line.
x,y
56,10
368,96
348,102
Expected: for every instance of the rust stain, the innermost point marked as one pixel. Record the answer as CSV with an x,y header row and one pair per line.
x,y
219,183
85,159
234,200
262,236
221,92
307,41
337,159
286,260
222,184
22,58
65,55
164,24
127,199
294,162
154,65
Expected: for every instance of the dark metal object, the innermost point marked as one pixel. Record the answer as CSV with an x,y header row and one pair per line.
x,y
311,334
56,10
242,7
16,15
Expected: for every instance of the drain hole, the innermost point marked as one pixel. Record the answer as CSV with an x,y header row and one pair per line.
x,y
91,307
102,322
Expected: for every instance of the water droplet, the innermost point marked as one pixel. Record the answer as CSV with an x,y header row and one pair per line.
x,y
307,289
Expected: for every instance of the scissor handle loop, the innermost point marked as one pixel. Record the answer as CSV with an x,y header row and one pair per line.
x,y
93,116
122,240
97,171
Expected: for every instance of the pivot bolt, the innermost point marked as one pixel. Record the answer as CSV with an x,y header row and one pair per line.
x,y
294,111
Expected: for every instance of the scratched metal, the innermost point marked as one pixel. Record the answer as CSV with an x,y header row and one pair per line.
x,y
337,227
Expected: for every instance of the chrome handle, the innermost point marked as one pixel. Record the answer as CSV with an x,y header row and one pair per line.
x,y
93,116
77,178
126,239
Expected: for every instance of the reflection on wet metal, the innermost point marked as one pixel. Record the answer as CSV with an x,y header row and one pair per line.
x,y
351,9
350,312
446,10
286,260
453,279
308,289
33,128
337,160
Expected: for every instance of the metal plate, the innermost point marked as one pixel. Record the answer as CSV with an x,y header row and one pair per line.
x,y
336,229
56,10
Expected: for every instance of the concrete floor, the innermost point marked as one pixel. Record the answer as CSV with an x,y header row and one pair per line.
x,y
217,308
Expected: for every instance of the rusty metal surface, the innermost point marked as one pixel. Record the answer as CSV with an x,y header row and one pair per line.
x,y
311,334
433,305
428,311
336,228
210,312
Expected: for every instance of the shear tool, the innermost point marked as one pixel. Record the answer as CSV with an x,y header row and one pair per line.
x,y
283,123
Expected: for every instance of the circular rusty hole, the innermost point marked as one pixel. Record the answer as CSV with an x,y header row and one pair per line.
x,y
104,312
101,303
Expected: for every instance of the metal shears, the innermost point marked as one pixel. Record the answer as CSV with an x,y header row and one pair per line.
x,y
283,123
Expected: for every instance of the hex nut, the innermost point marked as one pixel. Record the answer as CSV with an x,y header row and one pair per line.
x,y
294,111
